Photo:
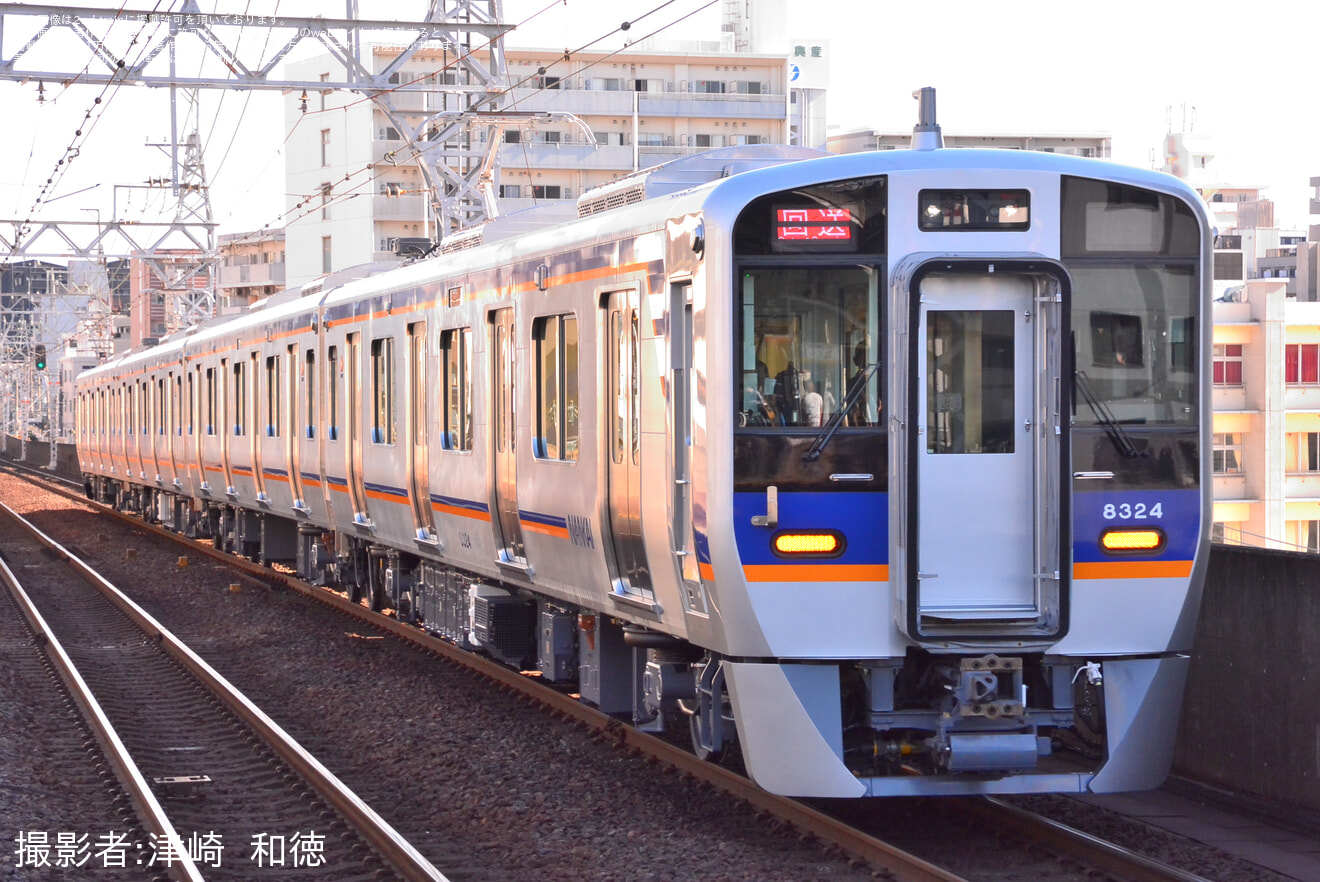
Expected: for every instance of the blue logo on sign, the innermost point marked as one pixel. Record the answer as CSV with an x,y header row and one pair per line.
x,y
795,72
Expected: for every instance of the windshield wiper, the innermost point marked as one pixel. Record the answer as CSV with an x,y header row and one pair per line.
x,y
1113,428
836,420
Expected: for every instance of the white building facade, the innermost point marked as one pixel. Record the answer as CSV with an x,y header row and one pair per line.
x,y
350,196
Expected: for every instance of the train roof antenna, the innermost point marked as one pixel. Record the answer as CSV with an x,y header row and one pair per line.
x,y
926,133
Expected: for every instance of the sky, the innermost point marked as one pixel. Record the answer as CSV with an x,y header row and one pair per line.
x,y
1133,70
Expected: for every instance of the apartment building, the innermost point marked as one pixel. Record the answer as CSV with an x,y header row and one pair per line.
x,y
350,195
1266,402
1096,145
251,267
152,286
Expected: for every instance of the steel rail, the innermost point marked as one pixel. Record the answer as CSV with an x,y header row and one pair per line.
x,y
1064,841
395,849
144,802
881,856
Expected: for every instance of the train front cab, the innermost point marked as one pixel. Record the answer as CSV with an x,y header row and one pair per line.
x,y
996,507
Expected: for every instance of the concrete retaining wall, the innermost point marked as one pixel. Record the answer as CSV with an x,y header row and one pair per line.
x,y
37,454
1251,715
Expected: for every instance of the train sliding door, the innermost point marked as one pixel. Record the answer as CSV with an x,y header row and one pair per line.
x,y
419,485
989,509
623,424
503,431
357,489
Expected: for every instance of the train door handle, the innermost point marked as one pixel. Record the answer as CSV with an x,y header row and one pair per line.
x,y
771,516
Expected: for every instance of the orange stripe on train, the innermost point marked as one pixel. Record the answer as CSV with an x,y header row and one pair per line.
x,y
816,572
1133,569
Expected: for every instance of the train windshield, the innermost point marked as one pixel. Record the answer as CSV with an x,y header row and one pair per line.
x,y
1134,259
808,338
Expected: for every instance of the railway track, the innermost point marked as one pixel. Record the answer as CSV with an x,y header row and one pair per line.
x,y
1081,856
208,774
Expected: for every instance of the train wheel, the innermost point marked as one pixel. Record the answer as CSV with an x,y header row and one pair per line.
x,y
710,716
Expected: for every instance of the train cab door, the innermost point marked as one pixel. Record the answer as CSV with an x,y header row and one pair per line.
x,y
503,432
357,489
419,485
623,424
990,512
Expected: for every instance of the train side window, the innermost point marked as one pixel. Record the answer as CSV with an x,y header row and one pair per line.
x,y
162,407
556,341
240,399
456,385
210,401
273,396
382,390
309,383
332,393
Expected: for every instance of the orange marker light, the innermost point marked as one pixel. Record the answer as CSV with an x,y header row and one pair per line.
x,y
1131,540
808,543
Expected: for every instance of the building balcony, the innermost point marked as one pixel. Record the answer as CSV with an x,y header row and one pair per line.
x,y
1230,488
583,157
252,275
1229,398
583,102
398,208
1301,486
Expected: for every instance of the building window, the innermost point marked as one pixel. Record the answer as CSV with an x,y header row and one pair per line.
x,y
1228,266
325,148
1301,364
382,390
456,385
1228,453
510,191
326,189
1226,532
556,341
1308,534
546,192
512,136
325,254
1302,453
1228,364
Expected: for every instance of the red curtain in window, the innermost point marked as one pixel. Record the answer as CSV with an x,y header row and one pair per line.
x,y
1310,363
1291,372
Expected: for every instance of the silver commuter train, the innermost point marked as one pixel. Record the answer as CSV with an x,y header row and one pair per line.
x,y
887,468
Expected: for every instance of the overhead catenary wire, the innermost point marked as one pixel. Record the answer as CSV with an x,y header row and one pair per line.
x,y
297,212
80,136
